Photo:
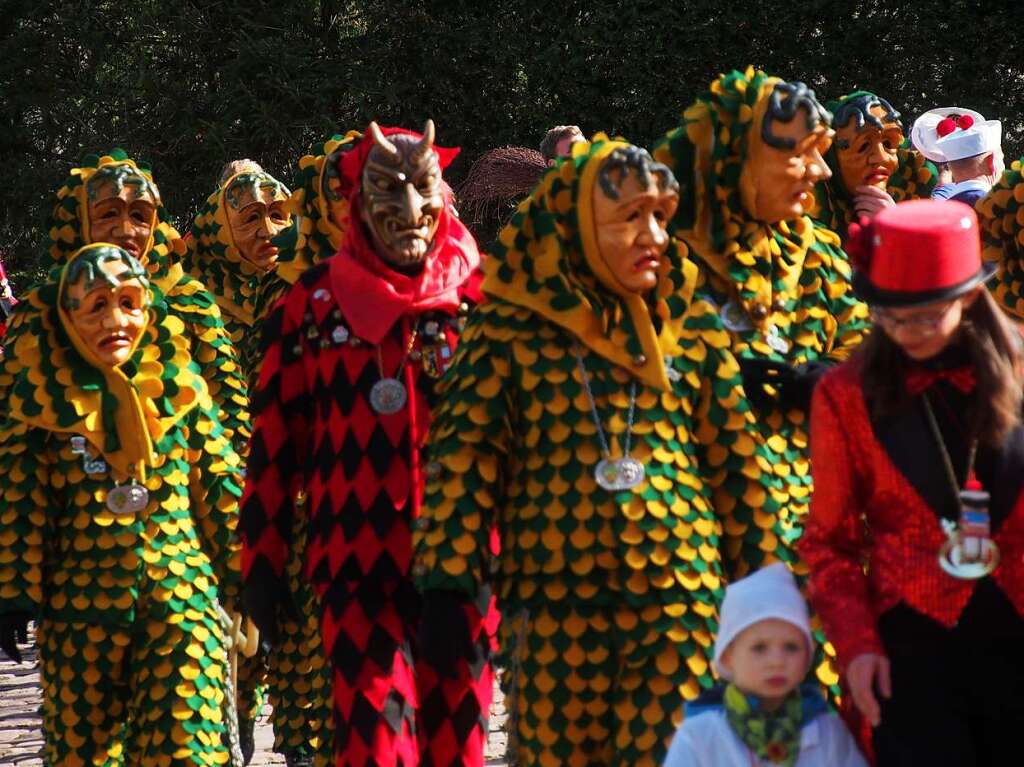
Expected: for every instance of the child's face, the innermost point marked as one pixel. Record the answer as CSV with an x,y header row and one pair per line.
x,y
768,659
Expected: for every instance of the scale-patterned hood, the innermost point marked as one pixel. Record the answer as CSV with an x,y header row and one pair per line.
x,y
547,260
55,384
213,258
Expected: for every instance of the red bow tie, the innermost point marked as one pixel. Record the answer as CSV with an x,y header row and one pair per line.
x,y
919,379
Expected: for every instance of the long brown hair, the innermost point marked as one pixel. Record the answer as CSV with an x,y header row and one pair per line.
x,y
995,348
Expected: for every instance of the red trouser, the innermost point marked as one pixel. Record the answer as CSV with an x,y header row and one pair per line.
x,y
389,709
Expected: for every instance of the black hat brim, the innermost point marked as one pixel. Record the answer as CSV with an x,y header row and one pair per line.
x,y
905,298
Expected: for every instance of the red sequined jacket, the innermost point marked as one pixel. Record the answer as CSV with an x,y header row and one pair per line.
x,y
316,433
871,541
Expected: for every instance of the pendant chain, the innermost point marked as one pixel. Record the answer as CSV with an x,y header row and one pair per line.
x,y
946,460
405,357
605,449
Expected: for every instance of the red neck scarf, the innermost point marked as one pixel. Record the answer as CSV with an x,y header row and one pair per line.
x,y
373,297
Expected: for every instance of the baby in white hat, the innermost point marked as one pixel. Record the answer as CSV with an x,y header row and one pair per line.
x,y
762,715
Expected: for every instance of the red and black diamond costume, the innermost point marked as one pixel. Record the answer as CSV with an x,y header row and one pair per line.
x,y
345,325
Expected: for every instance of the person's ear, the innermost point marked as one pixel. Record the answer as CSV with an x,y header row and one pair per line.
x,y
990,164
725,664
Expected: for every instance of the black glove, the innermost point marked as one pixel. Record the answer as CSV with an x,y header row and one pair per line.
x,y
265,597
13,629
444,635
794,384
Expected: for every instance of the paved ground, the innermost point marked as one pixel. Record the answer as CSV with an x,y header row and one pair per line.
x,y
21,738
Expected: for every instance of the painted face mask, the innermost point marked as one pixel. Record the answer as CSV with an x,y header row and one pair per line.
x,y
868,135
256,214
786,157
104,297
634,200
122,206
402,197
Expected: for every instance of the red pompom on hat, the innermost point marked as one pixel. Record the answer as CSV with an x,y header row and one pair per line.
x,y
918,252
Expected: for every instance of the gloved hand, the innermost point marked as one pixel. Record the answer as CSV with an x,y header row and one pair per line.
x,y
445,636
266,596
794,384
13,629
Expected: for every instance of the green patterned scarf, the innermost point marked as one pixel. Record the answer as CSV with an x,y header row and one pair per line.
x,y
774,736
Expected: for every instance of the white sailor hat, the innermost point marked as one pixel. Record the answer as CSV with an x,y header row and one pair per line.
x,y
949,133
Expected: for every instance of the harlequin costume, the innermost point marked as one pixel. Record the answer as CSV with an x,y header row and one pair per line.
x,y
299,675
914,176
7,304
770,293
126,598
607,597
215,260
952,641
347,324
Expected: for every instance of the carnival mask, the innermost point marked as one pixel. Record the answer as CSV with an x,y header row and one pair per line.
x,y
787,159
866,144
634,199
106,296
333,189
256,214
402,198
122,208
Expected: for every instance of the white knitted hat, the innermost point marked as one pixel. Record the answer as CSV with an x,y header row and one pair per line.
x,y
771,592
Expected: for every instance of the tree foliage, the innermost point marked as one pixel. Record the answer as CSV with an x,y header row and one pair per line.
x,y
189,85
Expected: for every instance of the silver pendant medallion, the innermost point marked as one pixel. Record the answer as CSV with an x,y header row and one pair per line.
x,y
615,474
735,318
388,396
127,499
775,341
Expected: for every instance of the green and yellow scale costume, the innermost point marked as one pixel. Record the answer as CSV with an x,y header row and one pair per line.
x,y
1001,219
608,599
132,657
300,676
214,261
915,178
776,292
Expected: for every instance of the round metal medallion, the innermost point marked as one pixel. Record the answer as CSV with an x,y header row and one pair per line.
x,y
388,396
127,499
619,473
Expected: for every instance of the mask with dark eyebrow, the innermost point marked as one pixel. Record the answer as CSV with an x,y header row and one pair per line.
x,y
402,197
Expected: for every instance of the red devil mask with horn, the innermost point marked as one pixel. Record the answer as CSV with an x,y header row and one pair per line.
x,y
394,183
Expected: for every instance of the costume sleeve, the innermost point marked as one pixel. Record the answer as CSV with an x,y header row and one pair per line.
x,y
277,448
216,356
214,485
1001,219
732,461
468,449
25,497
842,317
834,542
